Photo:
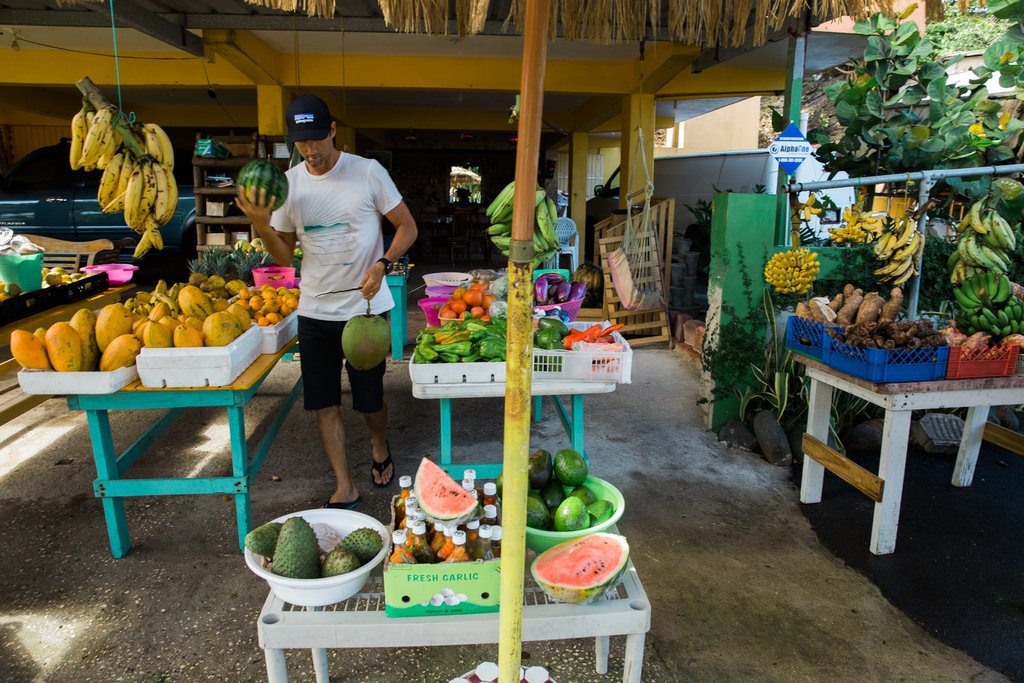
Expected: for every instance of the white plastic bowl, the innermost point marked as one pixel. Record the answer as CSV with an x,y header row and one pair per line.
x,y
320,592
450,279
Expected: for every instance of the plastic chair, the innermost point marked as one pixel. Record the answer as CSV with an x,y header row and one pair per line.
x,y
568,241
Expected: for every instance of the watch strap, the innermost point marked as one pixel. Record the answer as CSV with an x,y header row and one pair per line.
x,y
386,262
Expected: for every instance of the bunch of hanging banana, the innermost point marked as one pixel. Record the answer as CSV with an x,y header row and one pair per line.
x,y
545,238
860,226
793,271
899,246
985,244
142,185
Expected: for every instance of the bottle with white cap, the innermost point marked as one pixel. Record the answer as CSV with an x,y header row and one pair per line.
x,y
400,554
469,485
536,674
481,550
496,542
405,482
487,672
490,515
490,493
458,553
418,545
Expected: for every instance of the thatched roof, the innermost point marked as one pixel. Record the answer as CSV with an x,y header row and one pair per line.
x,y
707,23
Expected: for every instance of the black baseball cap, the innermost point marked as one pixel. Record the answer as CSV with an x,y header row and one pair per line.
x,y
308,118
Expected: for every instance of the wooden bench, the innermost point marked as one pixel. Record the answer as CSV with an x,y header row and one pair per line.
x,y
74,255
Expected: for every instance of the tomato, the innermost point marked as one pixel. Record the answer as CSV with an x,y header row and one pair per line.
x,y
488,300
458,306
477,312
459,293
446,312
473,297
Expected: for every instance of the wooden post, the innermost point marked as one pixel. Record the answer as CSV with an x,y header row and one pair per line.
x,y
520,343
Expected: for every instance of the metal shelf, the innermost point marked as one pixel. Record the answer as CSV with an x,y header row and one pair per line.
x,y
216,191
223,220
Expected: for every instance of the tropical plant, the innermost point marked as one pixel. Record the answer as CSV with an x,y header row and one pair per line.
x,y
899,113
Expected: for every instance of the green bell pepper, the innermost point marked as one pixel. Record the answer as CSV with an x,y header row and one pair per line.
x,y
492,350
462,348
449,358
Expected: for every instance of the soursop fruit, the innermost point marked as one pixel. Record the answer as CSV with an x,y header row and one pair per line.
x,y
340,561
263,539
364,543
297,555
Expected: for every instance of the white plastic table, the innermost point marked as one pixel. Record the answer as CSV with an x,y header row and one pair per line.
x,y
898,399
360,622
572,420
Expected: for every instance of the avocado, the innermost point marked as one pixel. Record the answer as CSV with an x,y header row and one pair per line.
x,y
537,516
571,515
540,469
584,494
553,494
570,467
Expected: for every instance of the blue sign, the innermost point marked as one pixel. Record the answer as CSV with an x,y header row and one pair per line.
x,y
790,149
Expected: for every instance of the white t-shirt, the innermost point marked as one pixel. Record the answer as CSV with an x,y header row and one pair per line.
x,y
337,220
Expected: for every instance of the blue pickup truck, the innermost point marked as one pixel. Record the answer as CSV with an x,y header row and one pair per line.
x,y
41,195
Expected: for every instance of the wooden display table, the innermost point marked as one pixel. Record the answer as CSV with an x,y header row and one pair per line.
x,y
898,399
360,622
111,488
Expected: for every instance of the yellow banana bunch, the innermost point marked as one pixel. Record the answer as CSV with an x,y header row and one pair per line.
x,y
158,145
899,247
809,208
150,199
793,271
851,232
79,129
100,139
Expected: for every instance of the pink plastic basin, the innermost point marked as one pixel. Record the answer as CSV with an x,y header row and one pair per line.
x,y
432,309
276,276
117,273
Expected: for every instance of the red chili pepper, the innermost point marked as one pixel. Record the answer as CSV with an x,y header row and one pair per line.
x,y
611,328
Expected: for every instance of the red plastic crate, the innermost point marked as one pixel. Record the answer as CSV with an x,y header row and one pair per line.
x,y
995,361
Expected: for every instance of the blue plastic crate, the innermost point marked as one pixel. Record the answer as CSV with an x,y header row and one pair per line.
x,y
882,365
807,337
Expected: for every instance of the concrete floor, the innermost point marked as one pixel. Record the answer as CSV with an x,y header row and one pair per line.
x,y
741,588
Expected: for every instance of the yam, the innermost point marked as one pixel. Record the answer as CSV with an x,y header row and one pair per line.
x,y
892,307
803,311
821,311
849,310
870,309
848,290
837,302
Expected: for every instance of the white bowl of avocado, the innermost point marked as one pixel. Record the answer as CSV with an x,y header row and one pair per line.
x,y
321,558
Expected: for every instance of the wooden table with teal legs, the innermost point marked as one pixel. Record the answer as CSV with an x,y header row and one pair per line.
x,y
111,489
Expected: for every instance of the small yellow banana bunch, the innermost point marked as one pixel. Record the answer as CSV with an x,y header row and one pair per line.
x,y
860,226
137,175
812,207
793,271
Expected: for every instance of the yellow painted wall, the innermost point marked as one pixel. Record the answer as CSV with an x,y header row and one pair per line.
x,y
729,128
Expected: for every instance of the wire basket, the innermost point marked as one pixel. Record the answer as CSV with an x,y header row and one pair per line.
x,y
589,365
571,308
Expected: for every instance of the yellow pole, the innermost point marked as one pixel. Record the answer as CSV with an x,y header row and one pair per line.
x,y
520,343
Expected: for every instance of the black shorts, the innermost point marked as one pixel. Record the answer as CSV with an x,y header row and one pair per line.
x,y
320,357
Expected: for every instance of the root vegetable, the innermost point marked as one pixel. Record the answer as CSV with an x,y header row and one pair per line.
x,y
892,307
837,302
870,309
803,311
848,312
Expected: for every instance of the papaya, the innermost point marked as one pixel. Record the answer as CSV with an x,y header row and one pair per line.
x,y
159,311
220,329
84,322
156,336
242,313
169,322
120,353
220,305
366,341
29,351
113,321
194,302
40,334
64,348
194,323
186,336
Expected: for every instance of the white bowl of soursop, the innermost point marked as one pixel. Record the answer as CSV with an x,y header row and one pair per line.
x,y
316,557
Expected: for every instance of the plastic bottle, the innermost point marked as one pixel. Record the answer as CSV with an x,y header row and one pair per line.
x,y
487,672
470,486
496,541
400,555
490,515
441,534
490,493
449,541
536,674
418,545
481,550
411,504
404,481
459,553
472,533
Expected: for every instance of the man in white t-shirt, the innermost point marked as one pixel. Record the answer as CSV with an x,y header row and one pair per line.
x,y
333,211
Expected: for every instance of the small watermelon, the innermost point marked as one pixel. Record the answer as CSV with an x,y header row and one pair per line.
x,y
583,569
260,174
441,497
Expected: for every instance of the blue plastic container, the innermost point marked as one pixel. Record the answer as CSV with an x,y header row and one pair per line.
x,y
807,337
881,365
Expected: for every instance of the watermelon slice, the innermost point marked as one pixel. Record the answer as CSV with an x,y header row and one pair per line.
x,y
441,497
583,569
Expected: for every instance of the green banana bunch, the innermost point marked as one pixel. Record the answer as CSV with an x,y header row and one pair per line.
x,y
987,305
545,238
985,243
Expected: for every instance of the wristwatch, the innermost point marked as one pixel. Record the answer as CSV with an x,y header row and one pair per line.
x,y
387,263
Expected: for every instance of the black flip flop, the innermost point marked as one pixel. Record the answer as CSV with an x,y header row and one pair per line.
x,y
351,505
380,468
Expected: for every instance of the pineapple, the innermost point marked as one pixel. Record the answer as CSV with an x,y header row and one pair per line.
x,y
211,270
247,261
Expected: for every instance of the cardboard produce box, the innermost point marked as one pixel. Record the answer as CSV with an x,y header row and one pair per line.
x,y
425,590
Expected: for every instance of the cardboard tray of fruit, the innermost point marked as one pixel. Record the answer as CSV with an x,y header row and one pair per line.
x,y
274,337
51,382
213,366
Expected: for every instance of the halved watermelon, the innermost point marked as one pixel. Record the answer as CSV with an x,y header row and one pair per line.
x,y
581,570
441,497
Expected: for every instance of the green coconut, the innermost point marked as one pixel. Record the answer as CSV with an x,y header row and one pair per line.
x,y
366,341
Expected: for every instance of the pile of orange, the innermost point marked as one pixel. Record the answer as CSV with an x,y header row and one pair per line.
x,y
270,305
468,302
